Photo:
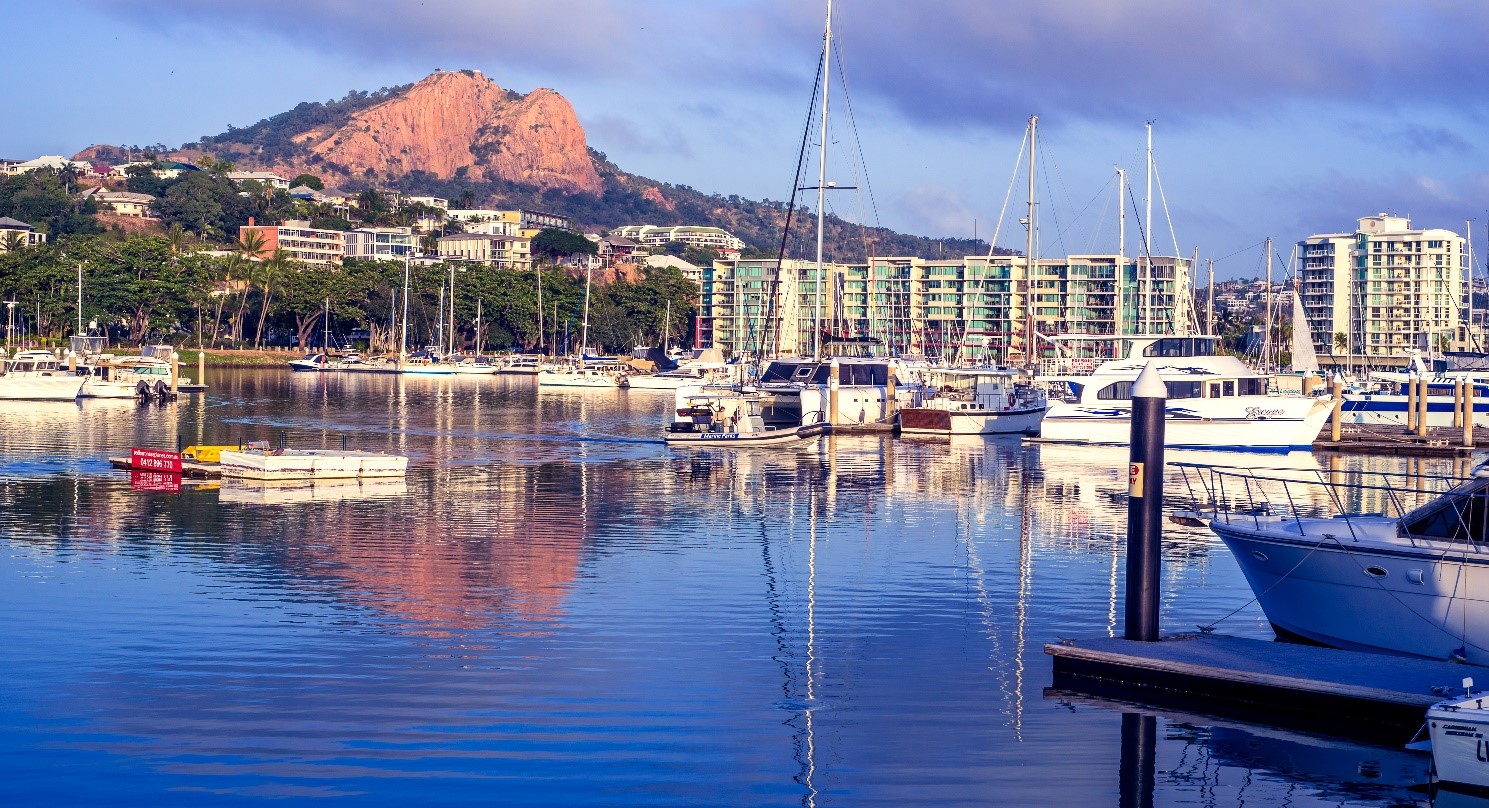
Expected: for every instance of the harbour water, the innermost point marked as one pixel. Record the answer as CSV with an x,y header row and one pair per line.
x,y
556,609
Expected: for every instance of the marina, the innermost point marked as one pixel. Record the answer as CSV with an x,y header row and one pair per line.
x,y
549,549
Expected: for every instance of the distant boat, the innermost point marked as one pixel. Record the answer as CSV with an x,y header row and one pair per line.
x,y
975,401
725,417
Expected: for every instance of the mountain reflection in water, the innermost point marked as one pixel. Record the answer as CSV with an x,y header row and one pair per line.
x,y
555,608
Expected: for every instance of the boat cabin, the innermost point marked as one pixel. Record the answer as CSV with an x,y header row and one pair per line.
x,y
973,389
33,362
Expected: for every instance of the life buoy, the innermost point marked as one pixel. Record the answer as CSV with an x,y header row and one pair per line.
x,y
1012,399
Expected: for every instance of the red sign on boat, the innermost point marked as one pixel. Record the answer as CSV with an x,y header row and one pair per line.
x,y
155,481
155,460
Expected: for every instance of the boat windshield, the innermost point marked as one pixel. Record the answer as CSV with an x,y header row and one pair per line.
x,y
1461,515
1181,346
801,372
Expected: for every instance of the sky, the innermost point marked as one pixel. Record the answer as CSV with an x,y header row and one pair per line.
x,y
1271,118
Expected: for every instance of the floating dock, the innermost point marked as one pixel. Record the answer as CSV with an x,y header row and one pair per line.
x,y
1398,440
1353,693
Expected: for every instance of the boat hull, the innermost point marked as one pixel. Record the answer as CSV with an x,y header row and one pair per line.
x,y
552,378
935,421
1326,589
61,387
1389,410
1460,751
768,437
1240,423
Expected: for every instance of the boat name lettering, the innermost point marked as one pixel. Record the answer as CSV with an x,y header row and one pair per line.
x,y
1258,413
719,435
1460,733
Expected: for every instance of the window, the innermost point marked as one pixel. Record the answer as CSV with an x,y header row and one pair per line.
x,y
1183,389
1116,391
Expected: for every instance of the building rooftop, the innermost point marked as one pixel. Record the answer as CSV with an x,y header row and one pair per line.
x,y
8,223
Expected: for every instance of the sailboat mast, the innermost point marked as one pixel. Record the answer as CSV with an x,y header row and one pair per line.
x,y
439,319
80,298
403,339
538,270
1029,253
1210,299
478,328
822,182
326,337
667,329
584,333
1267,340
1121,249
1147,290
1470,344
452,310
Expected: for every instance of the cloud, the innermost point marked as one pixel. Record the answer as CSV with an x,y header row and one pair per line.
x,y
616,132
1333,201
1429,140
935,209
984,63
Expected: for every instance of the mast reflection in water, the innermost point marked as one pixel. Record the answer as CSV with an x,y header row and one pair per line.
x,y
556,609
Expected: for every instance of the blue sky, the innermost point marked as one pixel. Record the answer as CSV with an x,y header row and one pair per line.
x,y
1272,117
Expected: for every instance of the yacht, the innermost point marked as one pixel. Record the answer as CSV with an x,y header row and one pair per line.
x,y
37,376
670,380
975,401
585,373
522,366
868,391
127,377
1214,401
475,366
1407,584
1383,396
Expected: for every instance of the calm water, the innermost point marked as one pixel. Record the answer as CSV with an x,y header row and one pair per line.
x,y
554,608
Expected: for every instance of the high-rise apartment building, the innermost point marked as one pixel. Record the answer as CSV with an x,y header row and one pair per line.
x,y
1382,290
982,307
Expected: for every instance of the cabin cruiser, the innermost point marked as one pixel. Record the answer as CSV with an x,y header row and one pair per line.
x,y
1407,584
37,376
522,366
127,377
867,390
604,374
974,401
1214,401
474,366
675,379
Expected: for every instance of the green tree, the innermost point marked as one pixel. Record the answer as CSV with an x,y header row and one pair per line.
x,y
13,242
310,181
269,271
553,243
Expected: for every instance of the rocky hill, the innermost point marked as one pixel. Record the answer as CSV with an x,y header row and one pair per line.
x,y
458,134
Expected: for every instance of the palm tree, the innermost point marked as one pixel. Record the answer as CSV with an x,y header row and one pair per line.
x,y
236,261
13,241
251,243
176,237
272,267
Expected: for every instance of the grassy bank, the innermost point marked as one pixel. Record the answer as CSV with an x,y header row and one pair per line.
x,y
239,359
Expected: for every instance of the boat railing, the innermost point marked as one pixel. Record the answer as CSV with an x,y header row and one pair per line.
x,y
1252,496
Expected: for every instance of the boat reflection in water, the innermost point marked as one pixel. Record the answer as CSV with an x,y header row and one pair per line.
x,y
559,609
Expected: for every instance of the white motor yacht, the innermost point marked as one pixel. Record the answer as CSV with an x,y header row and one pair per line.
x,y
1408,584
521,366
975,401
1214,401
127,377
605,375
37,376
1457,729
801,391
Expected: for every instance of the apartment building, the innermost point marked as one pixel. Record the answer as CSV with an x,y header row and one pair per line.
x,y
978,306
268,178
726,244
379,243
508,252
1383,290
303,242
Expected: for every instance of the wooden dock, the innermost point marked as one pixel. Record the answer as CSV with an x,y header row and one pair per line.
x,y
1398,440
1352,693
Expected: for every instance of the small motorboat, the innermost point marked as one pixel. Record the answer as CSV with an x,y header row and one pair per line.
x,y
728,417
1458,732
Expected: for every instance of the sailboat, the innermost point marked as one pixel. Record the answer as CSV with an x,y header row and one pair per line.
x,y
584,370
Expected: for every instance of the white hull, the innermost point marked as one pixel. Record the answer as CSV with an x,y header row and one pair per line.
x,y
22,387
1323,589
1378,409
480,370
431,370
667,383
769,437
1460,741
1245,423
556,378
94,388
308,464
929,421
